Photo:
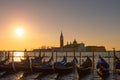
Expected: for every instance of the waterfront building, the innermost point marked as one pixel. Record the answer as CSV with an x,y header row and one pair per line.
x,y
95,48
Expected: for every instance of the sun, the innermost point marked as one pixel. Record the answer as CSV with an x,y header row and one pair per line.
x,y
19,31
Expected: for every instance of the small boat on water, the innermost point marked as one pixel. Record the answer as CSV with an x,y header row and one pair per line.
x,y
5,65
85,68
16,66
4,61
117,64
37,60
45,68
24,65
102,67
63,67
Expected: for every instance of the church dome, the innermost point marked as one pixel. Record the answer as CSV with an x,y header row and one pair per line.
x,y
74,42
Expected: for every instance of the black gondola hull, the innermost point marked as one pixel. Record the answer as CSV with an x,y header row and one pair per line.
x,y
64,71
42,70
84,71
103,73
6,68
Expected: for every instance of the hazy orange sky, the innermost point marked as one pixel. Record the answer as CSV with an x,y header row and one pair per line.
x,y
94,22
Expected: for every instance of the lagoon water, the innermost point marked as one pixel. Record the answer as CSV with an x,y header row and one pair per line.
x,y
108,56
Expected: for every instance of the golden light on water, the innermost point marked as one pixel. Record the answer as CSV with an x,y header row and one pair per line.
x,y
18,56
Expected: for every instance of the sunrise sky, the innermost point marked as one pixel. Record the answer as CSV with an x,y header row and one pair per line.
x,y
94,22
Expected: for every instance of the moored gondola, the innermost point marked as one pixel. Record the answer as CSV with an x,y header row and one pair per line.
x,y
4,61
5,65
24,65
85,68
63,67
45,68
15,66
117,64
102,67
37,60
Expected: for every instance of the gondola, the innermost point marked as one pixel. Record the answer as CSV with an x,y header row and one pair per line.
x,y
102,67
4,61
24,65
16,66
45,68
117,64
5,65
85,68
63,67
37,61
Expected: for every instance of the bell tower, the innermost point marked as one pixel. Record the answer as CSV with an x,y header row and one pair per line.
x,y
61,40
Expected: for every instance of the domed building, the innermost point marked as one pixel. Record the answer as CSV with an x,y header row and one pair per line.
x,y
75,42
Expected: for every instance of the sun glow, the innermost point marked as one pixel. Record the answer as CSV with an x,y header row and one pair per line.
x,y
18,56
19,31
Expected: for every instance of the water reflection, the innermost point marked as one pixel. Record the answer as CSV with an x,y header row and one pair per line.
x,y
18,56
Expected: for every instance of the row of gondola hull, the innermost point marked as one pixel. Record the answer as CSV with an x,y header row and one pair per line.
x,y
103,67
65,69
45,68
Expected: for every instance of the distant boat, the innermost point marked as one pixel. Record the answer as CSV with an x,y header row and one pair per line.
x,y
85,68
102,67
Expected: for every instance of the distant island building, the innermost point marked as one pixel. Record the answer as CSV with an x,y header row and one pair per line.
x,y
74,46
95,48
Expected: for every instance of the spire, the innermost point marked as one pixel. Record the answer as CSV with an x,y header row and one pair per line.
x,y
61,40
61,35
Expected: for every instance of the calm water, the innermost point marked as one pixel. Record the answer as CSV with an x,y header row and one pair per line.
x,y
72,76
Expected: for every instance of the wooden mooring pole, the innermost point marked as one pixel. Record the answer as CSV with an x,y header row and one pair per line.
x,y
25,54
40,53
114,59
119,54
56,56
109,57
13,65
74,53
93,63
66,54
80,58
45,56
34,54
5,54
8,54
